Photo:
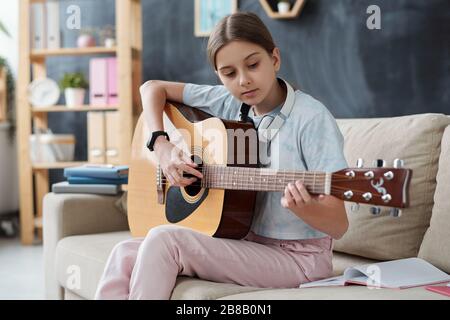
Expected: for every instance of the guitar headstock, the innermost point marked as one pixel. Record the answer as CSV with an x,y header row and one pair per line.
x,y
379,185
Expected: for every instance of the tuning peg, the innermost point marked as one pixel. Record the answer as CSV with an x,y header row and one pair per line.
x,y
367,196
398,163
375,211
355,207
379,163
394,212
389,175
359,163
348,194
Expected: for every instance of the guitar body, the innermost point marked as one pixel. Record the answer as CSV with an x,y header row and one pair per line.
x,y
215,212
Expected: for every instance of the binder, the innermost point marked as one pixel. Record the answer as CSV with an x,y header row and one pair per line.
x,y
112,123
112,81
53,33
98,81
38,26
96,137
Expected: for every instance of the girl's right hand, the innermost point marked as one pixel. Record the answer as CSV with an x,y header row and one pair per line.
x,y
173,162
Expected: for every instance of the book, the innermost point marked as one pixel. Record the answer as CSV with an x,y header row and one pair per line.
x,y
396,274
97,171
445,290
65,187
89,180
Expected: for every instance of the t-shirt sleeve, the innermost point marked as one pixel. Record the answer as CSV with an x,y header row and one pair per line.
x,y
215,100
322,144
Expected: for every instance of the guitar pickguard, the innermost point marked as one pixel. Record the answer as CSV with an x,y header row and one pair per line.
x,y
177,208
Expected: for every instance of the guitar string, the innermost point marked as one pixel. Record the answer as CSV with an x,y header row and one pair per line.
x,y
315,189
319,186
335,177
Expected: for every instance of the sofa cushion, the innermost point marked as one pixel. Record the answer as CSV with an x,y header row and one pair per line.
x,y
435,246
188,288
340,293
86,256
415,139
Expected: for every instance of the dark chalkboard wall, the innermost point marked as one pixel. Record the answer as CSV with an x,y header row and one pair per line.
x,y
328,52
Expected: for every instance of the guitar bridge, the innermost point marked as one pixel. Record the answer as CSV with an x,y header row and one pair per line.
x,y
160,185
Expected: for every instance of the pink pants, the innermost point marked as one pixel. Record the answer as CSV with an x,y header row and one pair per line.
x,y
147,268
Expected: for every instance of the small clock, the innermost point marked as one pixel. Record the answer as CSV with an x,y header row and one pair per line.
x,y
43,92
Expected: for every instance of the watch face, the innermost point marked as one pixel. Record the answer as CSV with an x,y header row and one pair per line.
x,y
43,92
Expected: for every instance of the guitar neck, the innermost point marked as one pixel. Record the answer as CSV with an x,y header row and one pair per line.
x,y
262,179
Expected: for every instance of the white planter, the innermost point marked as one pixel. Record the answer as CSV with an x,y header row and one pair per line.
x,y
9,184
283,7
74,96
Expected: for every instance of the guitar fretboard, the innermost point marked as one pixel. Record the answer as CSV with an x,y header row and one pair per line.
x,y
262,179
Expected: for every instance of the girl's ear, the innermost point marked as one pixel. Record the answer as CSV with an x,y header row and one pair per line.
x,y
276,57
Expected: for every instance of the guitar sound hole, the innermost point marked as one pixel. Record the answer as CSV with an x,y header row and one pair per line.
x,y
194,188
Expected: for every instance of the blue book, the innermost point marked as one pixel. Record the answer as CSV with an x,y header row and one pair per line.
x,y
89,180
97,171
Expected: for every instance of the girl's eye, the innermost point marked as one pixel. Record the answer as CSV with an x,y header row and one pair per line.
x,y
230,74
253,66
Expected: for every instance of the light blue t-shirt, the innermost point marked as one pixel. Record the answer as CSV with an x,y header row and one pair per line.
x,y
309,140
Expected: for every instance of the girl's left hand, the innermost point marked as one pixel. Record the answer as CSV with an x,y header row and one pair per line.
x,y
297,199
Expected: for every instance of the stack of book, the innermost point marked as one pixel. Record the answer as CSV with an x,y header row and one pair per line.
x,y
98,179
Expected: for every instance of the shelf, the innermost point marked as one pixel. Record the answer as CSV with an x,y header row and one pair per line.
x,y
63,108
293,13
42,53
57,165
114,129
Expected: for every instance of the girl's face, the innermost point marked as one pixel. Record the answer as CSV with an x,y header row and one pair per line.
x,y
247,70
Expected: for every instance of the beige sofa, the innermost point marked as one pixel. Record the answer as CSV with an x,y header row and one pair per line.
x,y
81,230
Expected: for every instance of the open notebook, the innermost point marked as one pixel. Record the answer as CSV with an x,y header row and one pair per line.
x,y
397,274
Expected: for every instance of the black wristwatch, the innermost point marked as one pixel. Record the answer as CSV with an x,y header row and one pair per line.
x,y
155,135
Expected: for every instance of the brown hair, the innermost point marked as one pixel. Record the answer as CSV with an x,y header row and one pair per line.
x,y
244,26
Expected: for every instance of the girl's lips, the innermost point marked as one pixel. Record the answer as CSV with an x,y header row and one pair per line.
x,y
250,94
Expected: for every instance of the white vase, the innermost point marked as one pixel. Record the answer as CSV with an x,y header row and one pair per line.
x,y
74,96
283,7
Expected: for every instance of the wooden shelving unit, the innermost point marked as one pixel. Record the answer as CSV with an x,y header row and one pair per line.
x,y
43,53
32,65
87,108
293,13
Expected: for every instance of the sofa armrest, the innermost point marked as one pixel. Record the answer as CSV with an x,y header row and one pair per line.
x,y
75,214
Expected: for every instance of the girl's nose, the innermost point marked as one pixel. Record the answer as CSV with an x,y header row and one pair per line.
x,y
244,80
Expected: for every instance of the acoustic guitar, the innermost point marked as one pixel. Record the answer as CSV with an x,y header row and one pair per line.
x,y
222,203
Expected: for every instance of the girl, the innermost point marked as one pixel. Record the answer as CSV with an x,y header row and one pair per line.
x,y
291,235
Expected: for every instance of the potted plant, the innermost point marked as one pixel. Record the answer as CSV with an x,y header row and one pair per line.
x,y
74,86
10,110
86,38
283,6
